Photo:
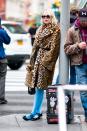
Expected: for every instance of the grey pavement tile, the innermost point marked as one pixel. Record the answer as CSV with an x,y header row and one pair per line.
x,y
40,125
8,121
16,123
16,129
10,129
74,127
84,126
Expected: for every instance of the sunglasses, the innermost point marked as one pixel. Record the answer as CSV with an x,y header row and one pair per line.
x,y
46,16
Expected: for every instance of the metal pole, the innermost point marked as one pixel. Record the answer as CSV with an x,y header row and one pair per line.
x,y
61,103
61,110
64,24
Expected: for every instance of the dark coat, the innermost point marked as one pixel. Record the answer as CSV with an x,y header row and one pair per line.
x,y
4,39
45,52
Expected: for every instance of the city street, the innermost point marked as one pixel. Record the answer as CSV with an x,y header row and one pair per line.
x,y
19,101
47,22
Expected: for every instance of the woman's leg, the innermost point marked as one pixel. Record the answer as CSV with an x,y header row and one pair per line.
x,y
38,101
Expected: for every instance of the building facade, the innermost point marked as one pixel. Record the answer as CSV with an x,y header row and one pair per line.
x,y
2,9
22,9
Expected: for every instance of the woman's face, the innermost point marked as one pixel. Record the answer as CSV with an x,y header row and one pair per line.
x,y
46,18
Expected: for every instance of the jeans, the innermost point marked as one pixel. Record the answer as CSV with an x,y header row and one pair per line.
x,y
57,80
72,76
3,70
81,73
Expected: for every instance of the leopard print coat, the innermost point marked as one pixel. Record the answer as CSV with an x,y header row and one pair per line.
x,y
45,52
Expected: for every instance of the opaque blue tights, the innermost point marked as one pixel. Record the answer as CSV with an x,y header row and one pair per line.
x,y
38,101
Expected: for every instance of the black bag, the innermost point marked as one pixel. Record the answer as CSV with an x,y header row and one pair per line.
x,y
31,91
52,110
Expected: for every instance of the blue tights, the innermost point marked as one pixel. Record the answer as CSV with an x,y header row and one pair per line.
x,y
38,101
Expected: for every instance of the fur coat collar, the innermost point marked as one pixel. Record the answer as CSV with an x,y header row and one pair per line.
x,y
45,31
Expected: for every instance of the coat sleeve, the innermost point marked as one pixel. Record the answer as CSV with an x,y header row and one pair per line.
x,y
70,47
5,38
33,56
51,56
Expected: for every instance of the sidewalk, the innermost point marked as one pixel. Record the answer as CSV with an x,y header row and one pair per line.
x,y
16,123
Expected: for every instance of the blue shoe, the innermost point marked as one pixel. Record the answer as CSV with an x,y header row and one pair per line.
x,y
28,117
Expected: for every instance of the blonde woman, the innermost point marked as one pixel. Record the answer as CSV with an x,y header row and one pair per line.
x,y
42,61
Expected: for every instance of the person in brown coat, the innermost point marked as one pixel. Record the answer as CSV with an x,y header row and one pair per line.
x,y
76,48
43,58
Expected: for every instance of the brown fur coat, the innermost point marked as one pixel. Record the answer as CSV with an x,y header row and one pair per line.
x,y
45,52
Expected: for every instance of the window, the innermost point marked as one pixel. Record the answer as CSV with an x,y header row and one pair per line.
x,y
15,28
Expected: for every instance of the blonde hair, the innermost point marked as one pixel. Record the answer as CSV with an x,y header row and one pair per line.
x,y
50,13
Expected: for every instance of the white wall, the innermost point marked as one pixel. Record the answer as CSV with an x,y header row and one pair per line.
x,y
14,9
17,9
38,6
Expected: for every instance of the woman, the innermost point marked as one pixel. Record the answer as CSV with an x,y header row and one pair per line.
x,y
42,61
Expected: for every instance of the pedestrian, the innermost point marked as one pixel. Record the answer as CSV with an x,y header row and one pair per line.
x,y
76,48
73,15
32,32
72,78
4,39
42,61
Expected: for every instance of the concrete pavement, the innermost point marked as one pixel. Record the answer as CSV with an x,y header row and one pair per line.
x,y
16,123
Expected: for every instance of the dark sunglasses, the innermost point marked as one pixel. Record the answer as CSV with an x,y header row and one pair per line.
x,y
45,16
